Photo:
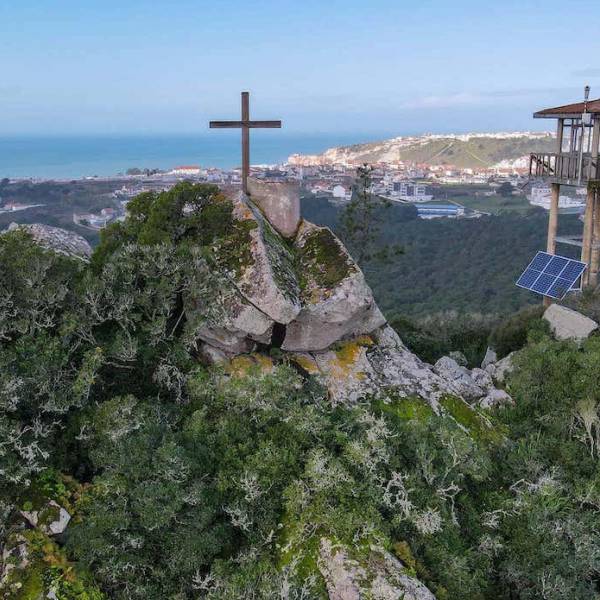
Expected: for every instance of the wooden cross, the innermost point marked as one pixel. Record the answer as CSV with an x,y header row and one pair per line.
x,y
245,125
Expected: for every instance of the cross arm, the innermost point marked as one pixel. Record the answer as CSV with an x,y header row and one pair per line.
x,y
265,124
250,124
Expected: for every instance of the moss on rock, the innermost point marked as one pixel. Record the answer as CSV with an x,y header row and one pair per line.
x,y
478,426
233,251
323,262
282,262
406,409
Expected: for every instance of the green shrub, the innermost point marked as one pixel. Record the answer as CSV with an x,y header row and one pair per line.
x,y
435,336
511,334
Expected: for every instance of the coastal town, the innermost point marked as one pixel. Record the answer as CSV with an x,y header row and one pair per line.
x,y
436,186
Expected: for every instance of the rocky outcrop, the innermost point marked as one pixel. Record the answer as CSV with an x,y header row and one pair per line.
x,y
461,378
56,239
495,398
489,358
308,297
369,365
568,324
15,558
302,294
380,575
476,385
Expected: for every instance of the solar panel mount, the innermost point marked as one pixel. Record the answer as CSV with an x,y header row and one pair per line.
x,y
551,275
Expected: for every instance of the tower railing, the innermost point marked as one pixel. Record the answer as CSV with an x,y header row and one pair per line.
x,y
569,168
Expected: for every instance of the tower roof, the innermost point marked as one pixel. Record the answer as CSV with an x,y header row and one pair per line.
x,y
568,110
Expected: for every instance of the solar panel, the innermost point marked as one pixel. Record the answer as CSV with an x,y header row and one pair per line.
x,y
551,275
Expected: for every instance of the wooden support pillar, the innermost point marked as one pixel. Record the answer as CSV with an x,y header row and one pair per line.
x,y
552,226
595,251
588,235
553,219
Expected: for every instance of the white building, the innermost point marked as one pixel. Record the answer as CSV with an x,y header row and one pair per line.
x,y
341,193
541,196
185,170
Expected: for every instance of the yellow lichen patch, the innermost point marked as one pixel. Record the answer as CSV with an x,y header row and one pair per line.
x,y
239,366
46,568
306,362
347,361
245,364
348,353
265,362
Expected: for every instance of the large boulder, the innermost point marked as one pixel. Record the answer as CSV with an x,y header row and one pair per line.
x,y
336,300
56,239
303,294
255,286
267,280
568,324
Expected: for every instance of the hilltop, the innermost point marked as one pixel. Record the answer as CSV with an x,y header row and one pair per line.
x,y
212,406
473,150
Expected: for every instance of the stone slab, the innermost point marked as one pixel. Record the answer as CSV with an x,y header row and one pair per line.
x,y
279,202
568,324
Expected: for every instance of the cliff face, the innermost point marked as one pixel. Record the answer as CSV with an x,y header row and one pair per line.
x,y
466,151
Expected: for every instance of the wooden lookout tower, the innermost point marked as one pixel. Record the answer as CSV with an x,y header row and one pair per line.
x,y
574,163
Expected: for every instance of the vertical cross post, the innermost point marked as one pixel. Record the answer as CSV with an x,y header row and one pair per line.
x,y
245,140
245,125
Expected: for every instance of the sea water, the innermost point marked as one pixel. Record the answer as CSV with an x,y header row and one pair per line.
x,y
62,157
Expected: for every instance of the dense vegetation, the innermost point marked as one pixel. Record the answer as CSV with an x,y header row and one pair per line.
x,y
468,266
187,481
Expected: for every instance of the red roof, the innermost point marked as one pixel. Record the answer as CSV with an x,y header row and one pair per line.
x,y
568,110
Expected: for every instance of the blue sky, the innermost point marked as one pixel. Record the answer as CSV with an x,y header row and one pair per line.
x,y
380,66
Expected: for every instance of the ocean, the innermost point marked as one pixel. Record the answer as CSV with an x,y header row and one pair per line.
x,y
84,156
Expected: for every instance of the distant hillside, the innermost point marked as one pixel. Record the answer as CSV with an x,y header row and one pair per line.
x,y
463,151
